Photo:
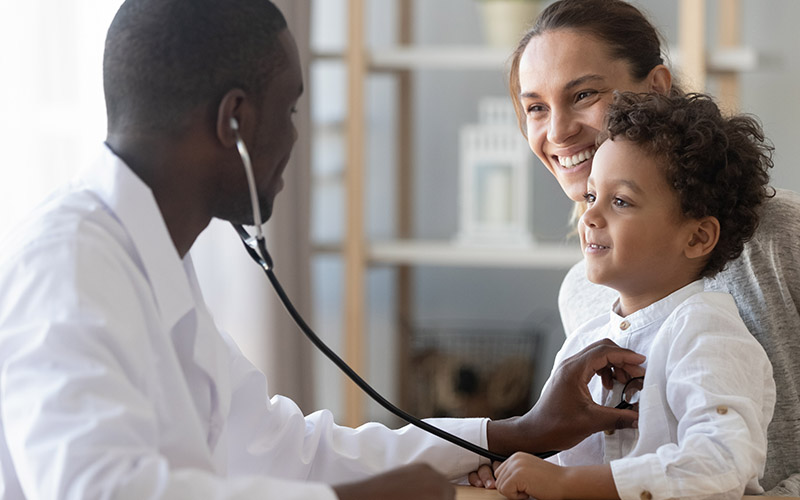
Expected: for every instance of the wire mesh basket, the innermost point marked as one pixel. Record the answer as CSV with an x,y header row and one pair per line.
x,y
470,372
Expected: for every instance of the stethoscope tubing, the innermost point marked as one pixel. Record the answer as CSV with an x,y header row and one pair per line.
x,y
257,249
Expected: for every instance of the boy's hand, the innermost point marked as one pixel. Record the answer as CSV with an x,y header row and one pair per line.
x,y
524,475
483,477
565,413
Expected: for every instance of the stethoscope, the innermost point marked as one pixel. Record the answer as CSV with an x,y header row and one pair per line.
x,y
256,247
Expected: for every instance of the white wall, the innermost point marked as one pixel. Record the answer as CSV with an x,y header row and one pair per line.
x,y
771,92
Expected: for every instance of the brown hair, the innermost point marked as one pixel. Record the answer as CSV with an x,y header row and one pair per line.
x,y
717,165
624,29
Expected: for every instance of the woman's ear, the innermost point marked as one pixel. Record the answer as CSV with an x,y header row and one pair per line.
x,y
703,239
660,79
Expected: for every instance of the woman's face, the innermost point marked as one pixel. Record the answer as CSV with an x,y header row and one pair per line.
x,y
567,79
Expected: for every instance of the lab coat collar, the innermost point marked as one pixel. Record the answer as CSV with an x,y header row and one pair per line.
x,y
657,311
133,204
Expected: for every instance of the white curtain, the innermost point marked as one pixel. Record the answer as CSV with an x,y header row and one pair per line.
x,y
53,116
53,122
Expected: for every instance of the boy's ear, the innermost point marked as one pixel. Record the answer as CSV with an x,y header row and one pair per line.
x,y
703,239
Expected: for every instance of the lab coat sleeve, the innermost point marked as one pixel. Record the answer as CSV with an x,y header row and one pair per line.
x,y
721,392
77,420
277,439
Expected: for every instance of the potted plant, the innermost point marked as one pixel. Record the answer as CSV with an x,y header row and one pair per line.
x,y
505,21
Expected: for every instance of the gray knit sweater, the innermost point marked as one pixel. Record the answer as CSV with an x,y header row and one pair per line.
x,y
765,282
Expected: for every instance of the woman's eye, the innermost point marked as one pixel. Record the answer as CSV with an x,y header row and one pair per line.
x,y
589,197
584,94
534,108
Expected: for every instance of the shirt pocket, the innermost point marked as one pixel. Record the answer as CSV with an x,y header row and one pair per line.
x,y
654,421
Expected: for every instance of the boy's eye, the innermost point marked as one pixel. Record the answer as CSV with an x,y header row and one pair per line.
x,y
589,197
619,202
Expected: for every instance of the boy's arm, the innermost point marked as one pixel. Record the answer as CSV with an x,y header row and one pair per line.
x,y
524,475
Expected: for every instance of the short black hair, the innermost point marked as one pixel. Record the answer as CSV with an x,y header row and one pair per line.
x,y
718,165
164,58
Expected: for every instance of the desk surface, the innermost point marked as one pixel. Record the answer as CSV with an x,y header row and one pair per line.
x,y
470,493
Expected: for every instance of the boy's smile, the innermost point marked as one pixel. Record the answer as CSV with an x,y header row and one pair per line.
x,y
633,234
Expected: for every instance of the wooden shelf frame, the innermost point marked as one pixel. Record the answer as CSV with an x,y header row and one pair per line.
x,y
728,58
408,252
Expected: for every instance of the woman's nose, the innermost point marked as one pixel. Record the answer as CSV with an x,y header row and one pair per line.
x,y
563,126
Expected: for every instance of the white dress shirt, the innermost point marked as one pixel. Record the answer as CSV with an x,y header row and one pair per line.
x,y
707,399
115,382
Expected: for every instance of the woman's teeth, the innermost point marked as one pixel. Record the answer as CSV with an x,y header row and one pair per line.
x,y
571,161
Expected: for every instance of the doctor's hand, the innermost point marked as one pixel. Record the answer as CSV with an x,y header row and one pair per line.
x,y
418,481
565,413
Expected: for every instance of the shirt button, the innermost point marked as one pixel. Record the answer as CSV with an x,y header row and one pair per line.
x,y
625,325
609,432
646,495
722,410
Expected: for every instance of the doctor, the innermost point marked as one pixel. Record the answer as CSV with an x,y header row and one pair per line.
x,y
114,380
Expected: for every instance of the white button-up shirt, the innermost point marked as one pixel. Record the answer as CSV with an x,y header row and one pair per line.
x,y
115,382
704,408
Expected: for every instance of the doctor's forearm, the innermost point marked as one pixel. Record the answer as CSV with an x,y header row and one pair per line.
x,y
507,436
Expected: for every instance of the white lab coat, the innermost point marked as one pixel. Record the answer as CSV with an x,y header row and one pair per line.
x,y
115,382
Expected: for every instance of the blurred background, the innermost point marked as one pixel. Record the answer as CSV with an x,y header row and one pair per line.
x,y
416,232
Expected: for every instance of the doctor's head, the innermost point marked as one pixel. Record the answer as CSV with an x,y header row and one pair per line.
x,y
174,69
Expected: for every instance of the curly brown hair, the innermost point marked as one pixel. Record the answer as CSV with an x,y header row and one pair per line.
x,y
717,165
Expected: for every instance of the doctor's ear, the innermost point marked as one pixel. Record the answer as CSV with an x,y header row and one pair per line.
x,y
230,114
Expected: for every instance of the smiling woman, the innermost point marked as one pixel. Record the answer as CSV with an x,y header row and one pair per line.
x,y
597,47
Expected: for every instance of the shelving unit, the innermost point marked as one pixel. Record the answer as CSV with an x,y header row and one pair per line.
x,y
401,61
443,253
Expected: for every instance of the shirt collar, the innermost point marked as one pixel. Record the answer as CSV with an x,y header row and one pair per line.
x,y
656,311
133,204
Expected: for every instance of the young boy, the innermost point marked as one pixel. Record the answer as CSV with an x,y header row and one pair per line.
x,y
673,195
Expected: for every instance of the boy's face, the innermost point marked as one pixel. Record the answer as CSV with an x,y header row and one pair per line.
x,y
633,235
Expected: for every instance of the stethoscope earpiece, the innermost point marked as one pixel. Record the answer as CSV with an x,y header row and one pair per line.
x,y
251,182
